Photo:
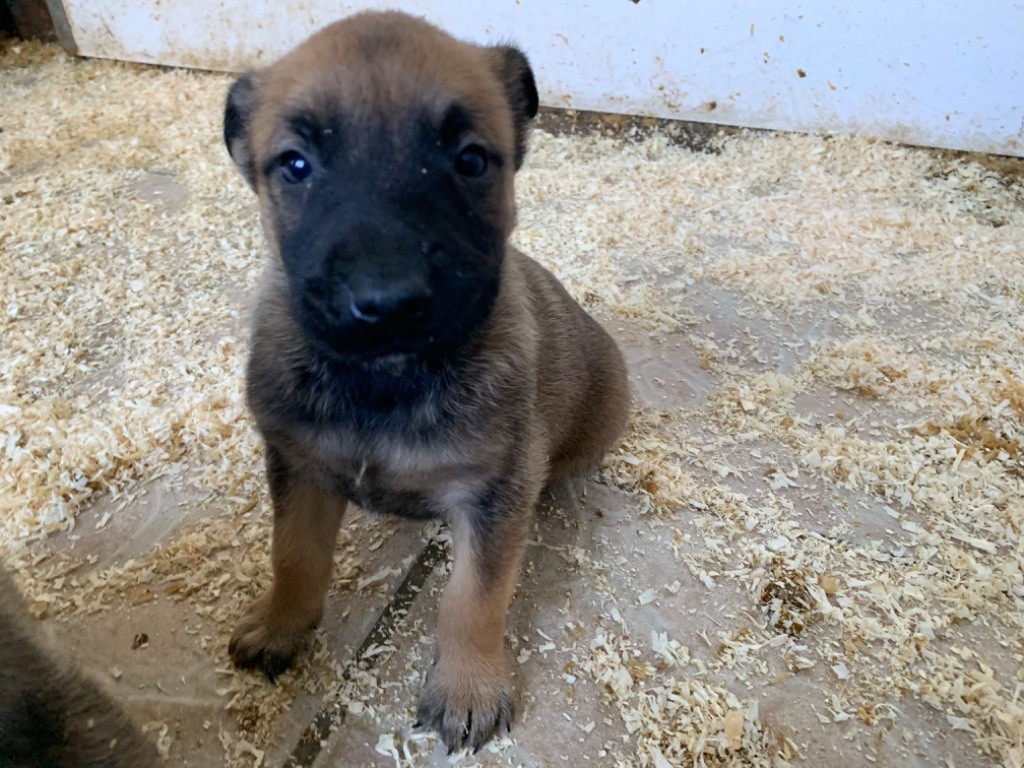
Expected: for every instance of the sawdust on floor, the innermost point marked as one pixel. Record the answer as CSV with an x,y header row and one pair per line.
x,y
130,246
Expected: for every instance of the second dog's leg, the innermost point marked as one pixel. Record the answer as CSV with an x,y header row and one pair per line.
x,y
306,520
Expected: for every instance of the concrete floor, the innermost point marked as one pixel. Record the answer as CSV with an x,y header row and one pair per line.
x,y
581,572
146,593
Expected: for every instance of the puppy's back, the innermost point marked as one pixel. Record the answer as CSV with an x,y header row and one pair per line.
x,y
52,717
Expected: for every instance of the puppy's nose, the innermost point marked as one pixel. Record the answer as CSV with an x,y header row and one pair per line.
x,y
395,301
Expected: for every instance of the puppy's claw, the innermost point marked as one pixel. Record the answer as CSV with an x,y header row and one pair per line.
x,y
465,717
247,655
265,642
270,664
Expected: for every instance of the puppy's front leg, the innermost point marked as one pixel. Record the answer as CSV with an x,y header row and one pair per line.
x,y
468,694
306,520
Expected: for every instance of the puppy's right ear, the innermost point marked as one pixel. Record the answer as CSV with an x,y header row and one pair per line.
x,y
238,111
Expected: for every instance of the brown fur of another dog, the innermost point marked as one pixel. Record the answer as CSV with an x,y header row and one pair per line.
x,y
493,385
50,715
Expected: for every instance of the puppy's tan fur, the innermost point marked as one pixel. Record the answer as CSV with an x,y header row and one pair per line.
x,y
537,394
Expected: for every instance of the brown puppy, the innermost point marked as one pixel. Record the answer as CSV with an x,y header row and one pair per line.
x,y
404,356
51,716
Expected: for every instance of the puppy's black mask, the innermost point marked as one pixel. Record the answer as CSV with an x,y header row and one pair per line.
x,y
390,225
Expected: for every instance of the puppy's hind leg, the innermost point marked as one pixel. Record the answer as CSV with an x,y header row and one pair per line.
x,y
601,417
306,521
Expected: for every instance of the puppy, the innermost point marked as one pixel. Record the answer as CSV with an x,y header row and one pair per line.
x,y
404,357
51,716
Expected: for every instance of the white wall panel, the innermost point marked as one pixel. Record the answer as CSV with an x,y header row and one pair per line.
x,y
941,73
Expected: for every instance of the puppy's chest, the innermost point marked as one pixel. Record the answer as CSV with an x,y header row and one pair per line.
x,y
398,477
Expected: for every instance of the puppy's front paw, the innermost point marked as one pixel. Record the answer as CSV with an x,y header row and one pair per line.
x,y
269,640
466,703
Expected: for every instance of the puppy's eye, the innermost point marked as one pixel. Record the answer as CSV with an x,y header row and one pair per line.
x,y
295,168
471,161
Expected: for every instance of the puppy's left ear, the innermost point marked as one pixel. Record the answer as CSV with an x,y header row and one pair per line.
x,y
238,111
513,70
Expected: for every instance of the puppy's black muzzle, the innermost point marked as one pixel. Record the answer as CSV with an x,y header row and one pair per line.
x,y
371,292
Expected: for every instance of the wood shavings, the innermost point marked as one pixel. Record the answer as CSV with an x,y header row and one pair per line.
x,y
240,751
851,469
647,596
786,597
386,746
163,738
377,578
681,721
